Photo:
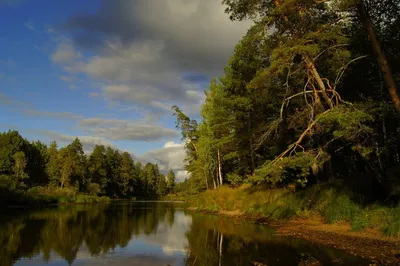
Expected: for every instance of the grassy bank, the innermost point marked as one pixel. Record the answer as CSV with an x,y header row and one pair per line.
x,y
38,198
333,204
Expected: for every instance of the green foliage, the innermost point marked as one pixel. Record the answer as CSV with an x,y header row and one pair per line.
x,y
302,101
94,189
46,175
392,225
11,142
347,122
294,169
235,178
19,166
171,181
341,208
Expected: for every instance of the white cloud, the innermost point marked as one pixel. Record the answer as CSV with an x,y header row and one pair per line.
x,y
88,142
61,115
65,53
181,175
143,53
68,79
119,129
12,102
170,157
143,48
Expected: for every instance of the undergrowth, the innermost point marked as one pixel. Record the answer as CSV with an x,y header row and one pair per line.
x,y
37,197
332,203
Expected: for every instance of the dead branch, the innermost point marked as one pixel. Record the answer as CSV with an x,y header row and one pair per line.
x,y
342,70
340,98
273,125
298,142
305,98
332,47
289,98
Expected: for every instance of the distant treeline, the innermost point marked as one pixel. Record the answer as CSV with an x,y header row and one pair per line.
x,y
26,165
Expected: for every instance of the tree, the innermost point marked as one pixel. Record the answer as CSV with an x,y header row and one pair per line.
x,y
66,167
52,167
171,181
113,160
98,167
127,181
161,185
382,59
37,159
75,150
151,176
11,143
19,166
189,130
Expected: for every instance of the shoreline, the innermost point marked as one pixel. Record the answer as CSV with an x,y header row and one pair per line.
x,y
382,250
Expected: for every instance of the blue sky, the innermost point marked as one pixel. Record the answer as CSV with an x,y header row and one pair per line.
x,y
108,71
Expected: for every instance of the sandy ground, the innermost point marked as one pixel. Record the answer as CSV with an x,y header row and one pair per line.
x,y
368,243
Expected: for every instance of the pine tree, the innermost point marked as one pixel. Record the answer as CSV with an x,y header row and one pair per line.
x,y
171,181
52,167
98,167
127,181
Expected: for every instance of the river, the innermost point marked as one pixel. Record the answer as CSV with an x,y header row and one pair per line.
x,y
149,233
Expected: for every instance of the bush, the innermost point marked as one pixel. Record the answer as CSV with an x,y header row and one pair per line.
x,y
341,208
94,189
392,222
235,179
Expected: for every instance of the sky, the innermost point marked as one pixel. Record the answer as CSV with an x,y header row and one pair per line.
x,y
109,71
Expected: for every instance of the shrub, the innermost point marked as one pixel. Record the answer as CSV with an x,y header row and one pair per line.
x,y
94,189
235,179
341,208
392,222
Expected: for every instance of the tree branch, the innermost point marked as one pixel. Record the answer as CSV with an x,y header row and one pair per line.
x,y
297,143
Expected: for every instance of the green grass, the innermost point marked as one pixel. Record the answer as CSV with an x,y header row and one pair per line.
x,y
331,202
392,222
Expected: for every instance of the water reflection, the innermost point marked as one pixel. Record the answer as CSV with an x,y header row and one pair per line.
x,y
151,233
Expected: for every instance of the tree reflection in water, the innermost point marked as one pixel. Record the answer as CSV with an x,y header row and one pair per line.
x,y
129,233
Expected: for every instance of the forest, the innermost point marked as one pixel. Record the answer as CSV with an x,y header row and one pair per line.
x,y
309,97
35,169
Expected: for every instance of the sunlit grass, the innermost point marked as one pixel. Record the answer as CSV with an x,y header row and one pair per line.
x,y
329,202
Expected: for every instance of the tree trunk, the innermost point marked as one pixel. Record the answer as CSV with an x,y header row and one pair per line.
x,y
251,146
380,56
220,168
215,185
315,74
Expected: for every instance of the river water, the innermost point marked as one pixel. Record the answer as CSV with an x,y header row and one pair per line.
x,y
149,233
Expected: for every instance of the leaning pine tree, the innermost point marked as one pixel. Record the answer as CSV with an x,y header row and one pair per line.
x,y
310,57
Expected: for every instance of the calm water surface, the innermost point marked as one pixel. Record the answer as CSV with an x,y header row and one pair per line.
x,y
149,233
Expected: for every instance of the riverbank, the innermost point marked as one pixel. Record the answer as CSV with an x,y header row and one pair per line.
x,y
22,199
324,215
